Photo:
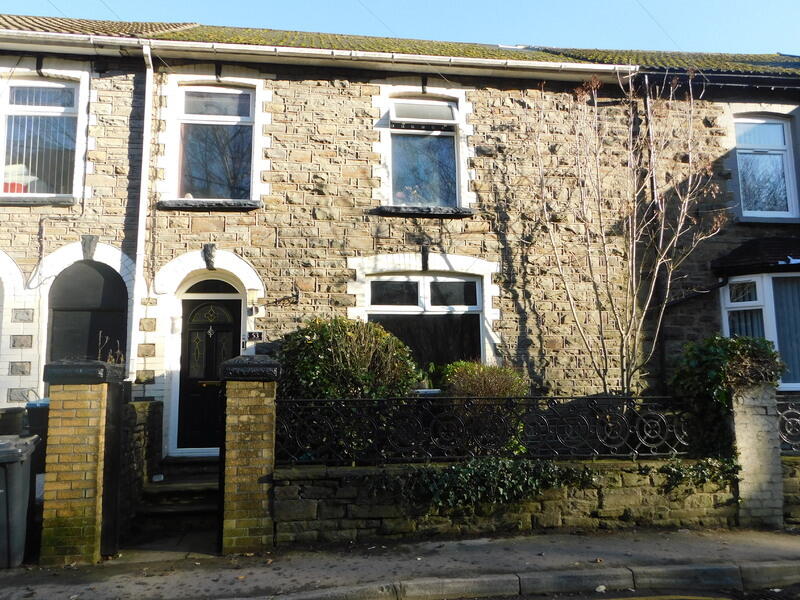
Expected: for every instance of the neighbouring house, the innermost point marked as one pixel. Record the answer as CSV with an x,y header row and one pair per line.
x,y
175,194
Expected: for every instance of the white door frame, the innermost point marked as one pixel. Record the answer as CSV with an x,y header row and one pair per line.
x,y
173,345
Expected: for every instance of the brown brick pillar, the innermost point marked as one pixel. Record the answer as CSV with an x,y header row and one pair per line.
x,y
755,419
73,489
248,455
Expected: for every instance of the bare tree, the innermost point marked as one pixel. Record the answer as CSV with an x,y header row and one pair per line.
x,y
635,214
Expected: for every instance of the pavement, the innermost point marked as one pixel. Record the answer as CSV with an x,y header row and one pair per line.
x,y
593,562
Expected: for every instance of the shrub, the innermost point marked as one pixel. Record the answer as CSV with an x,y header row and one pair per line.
x,y
713,368
706,377
343,358
472,379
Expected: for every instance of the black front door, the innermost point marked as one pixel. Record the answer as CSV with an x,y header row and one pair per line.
x,y
211,332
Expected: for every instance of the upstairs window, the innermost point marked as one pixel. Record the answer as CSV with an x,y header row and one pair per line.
x,y
216,129
424,154
766,168
39,132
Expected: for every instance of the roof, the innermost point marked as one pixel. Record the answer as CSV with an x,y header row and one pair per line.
x,y
89,27
363,43
761,255
776,65
760,64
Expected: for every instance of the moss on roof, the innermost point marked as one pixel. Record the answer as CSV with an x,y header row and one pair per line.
x,y
762,64
88,26
300,39
753,64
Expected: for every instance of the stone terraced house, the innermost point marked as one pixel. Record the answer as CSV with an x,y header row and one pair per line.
x,y
180,193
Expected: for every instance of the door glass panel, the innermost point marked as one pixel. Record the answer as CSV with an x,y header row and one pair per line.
x,y
404,293
746,323
197,354
224,347
454,293
786,291
210,313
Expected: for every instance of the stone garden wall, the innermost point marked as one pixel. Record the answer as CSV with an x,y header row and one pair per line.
x,y
333,504
791,490
141,453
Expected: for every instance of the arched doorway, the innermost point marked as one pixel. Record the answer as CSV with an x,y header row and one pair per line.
x,y
88,304
210,334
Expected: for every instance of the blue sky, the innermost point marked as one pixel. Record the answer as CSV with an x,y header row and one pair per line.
x,y
687,25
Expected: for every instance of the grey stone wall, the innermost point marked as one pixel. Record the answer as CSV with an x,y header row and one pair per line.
x,y
333,504
791,490
755,417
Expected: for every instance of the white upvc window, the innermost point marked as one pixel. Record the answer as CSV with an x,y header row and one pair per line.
x,y
765,164
768,306
424,153
216,143
39,146
438,316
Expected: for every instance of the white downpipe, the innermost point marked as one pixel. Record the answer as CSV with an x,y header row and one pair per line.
x,y
139,283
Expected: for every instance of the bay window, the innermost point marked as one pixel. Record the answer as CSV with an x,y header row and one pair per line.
x,y
768,306
437,316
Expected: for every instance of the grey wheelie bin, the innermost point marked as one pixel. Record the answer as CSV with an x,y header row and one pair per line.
x,y
15,479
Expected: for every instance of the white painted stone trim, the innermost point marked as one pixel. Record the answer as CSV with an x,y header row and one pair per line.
x,y
169,287
172,275
442,90
13,294
51,266
411,263
169,137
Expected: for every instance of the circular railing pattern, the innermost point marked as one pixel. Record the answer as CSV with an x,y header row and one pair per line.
x,y
347,432
789,426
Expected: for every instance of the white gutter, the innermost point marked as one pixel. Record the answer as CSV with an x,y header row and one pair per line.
x,y
66,42
139,283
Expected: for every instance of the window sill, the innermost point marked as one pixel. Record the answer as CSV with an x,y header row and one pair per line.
x,y
770,220
423,212
37,201
210,205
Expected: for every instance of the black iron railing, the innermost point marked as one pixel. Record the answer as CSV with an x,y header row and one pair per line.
x,y
789,425
336,432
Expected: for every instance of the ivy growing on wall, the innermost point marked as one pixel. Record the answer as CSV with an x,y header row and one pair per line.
x,y
478,481
722,472
706,377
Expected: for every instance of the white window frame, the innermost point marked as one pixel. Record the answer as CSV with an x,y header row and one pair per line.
x,y
173,96
53,73
192,119
433,133
765,301
424,306
402,91
785,152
